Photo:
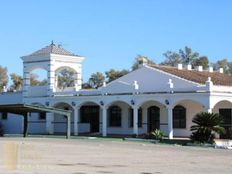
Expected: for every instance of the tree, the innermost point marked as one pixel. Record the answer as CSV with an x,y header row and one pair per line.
x,y
225,64
185,56
114,74
206,124
188,56
3,78
201,61
66,78
86,86
96,80
136,61
172,58
17,82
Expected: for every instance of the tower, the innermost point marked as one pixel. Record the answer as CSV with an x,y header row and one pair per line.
x,y
53,59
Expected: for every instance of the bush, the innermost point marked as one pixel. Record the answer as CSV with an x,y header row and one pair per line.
x,y
206,125
157,134
1,130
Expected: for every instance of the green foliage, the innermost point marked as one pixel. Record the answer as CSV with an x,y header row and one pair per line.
x,y
35,82
157,134
188,56
17,82
136,61
225,64
3,78
115,74
96,80
201,61
172,58
205,125
66,78
185,56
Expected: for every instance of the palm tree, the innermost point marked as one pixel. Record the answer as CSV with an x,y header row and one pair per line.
x,y
206,125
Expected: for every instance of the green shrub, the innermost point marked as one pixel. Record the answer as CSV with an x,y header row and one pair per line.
x,y
205,126
157,134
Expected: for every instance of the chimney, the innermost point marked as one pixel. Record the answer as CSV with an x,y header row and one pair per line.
x,y
180,66
189,67
221,70
210,69
142,61
199,68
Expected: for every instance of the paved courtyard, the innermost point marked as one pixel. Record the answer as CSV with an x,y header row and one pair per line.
x,y
80,156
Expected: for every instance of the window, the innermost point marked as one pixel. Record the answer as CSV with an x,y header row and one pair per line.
x,y
179,117
42,116
226,115
131,117
115,113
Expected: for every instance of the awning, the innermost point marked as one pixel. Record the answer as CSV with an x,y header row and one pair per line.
x,y
24,109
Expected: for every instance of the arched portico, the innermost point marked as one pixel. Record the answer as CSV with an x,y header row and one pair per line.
x,y
117,117
183,113
154,116
89,117
224,108
59,121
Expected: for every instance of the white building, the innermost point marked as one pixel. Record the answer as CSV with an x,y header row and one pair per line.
x,y
151,97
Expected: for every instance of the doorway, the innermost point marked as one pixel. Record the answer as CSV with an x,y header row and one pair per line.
x,y
90,114
153,118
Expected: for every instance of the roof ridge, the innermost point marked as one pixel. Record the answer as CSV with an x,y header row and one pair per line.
x,y
52,49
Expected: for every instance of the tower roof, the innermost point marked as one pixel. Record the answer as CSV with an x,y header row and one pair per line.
x,y
52,49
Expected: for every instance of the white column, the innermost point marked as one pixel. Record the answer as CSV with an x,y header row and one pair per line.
x,y
210,110
26,83
51,78
135,120
76,120
49,124
170,123
104,121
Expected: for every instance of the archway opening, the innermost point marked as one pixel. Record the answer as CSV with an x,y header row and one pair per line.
x,y
60,120
183,113
38,77
224,108
90,118
65,77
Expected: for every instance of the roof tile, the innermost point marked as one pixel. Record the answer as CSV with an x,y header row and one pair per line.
x,y
198,76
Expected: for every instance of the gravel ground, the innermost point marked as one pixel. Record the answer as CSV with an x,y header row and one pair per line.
x,y
79,156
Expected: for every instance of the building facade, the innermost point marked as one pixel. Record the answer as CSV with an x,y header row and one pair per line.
x,y
151,97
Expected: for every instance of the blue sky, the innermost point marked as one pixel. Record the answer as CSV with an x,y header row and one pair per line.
x,y
110,33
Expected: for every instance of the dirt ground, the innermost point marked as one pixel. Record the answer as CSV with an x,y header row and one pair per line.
x,y
80,156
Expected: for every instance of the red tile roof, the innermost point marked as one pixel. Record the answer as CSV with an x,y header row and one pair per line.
x,y
197,76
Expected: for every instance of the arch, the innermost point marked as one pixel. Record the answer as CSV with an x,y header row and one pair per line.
x,y
116,101
180,102
35,67
151,100
68,79
60,104
222,101
89,102
38,77
37,104
65,67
